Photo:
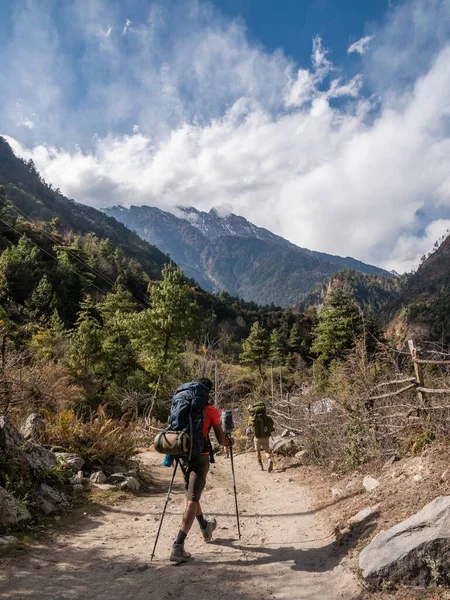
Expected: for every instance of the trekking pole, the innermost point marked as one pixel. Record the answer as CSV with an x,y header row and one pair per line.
x,y
235,492
226,420
165,507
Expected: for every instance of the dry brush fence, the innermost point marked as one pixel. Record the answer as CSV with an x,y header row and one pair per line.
x,y
395,404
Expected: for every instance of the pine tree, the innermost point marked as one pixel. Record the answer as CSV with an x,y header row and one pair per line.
x,y
42,301
255,348
276,353
160,332
339,325
294,339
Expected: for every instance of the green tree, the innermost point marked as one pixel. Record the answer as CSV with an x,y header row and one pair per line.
x,y
339,325
255,348
42,301
159,333
85,357
18,271
276,353
294,339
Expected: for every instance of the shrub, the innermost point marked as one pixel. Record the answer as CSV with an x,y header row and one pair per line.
x,y
100,440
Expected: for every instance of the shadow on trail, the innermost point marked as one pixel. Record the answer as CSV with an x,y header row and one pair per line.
x,y
58,571
316,560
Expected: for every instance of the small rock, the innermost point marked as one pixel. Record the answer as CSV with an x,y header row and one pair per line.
x,y
131,473
302,455
336,493
287,447
77,479
370,483
70,460
417,478
445,476
98,477
363,515
6,540
131,484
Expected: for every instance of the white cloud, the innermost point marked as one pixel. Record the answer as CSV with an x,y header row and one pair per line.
x,y
198,115
361,46
126,27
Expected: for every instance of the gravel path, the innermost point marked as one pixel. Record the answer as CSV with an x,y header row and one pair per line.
x,y
285,551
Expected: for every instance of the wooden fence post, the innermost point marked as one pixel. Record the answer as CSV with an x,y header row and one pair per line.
x,y
417,370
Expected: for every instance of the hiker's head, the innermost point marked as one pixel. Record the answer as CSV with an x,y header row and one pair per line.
x,y
206,382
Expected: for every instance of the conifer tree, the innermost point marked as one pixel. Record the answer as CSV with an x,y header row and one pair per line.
x,y
276,353
339,324
255,348
294,339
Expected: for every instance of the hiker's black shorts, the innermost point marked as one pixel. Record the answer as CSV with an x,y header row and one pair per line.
x,y
195,477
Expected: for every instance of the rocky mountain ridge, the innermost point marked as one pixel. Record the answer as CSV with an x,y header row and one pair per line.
x,y
228,252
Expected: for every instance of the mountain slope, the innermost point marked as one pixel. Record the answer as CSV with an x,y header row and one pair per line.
x,y
423,305
233,254
24,187
371,292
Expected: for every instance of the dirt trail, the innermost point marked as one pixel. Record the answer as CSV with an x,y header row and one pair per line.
x,y
284,551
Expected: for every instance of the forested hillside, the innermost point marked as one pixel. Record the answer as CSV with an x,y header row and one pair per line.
x,y
24,187
424,299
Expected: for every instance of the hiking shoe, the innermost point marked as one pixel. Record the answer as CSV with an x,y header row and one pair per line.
x,y
208,530
179,554
270,467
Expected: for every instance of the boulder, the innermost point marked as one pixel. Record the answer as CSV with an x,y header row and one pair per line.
x,y
370,483
131,484
10,438
49,497
39,459
287,447
415,552
98,477
70,460
12,512
33,427
364,515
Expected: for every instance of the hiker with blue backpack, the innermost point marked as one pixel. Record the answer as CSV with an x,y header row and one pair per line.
x,y
192,416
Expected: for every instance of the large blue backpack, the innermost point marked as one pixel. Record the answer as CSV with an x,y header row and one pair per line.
x,y
188,414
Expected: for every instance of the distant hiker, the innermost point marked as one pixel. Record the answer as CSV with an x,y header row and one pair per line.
x,y
261,426
194,398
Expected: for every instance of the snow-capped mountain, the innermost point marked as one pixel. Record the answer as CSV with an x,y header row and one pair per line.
x,y
230,253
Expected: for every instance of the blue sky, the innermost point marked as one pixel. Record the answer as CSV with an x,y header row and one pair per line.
x,y
324,121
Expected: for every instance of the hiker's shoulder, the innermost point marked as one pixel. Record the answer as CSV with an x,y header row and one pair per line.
x,y
213,413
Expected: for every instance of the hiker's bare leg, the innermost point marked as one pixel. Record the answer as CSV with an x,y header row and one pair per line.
x,y
193,509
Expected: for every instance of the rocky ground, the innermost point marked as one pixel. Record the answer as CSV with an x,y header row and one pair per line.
x,y
286,550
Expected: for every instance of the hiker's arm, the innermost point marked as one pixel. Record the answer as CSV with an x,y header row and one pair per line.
x,y
221,437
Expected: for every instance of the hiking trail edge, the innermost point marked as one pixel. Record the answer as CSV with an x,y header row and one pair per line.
x,y
285,551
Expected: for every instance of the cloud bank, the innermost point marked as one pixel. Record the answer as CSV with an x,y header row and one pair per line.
x,y
181,108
